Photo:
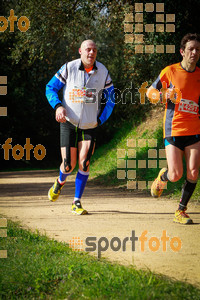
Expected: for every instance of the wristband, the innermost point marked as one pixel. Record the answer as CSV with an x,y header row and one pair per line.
x,y
57,105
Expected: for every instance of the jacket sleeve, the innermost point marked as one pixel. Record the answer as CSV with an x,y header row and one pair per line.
x,y
54,85
109,95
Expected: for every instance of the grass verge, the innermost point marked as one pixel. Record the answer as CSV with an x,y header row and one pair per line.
x,y
40,268
105,163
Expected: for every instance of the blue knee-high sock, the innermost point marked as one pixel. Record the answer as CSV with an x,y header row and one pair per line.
x,y
62,177
80,183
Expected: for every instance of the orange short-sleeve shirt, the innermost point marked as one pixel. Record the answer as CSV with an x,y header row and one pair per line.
x,y
181,118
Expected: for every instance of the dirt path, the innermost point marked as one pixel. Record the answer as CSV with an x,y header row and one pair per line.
x,y
114,215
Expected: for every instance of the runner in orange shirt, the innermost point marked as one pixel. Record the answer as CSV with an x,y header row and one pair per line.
x,y
181,124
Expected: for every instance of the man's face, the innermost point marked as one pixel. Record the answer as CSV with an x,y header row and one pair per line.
x,y
88,52
191,53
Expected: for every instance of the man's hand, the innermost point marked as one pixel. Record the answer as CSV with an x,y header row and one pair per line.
x,y
60,114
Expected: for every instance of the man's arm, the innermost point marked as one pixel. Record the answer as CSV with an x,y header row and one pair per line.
x,y
52,88
54,85
109,94
157,84
149,91
161,84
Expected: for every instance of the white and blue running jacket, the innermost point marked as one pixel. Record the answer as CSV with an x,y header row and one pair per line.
x,y
82,93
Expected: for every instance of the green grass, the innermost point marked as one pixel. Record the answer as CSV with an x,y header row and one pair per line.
x,y
104,162
40,268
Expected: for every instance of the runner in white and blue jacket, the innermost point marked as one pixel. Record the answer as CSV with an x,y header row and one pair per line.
x,y
84,82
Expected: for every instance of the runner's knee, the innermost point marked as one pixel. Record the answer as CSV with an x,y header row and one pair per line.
x,y
193,174
67,167
175,175
84,159
84,165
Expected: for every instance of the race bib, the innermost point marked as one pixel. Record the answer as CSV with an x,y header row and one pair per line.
x,y
188,106
82,95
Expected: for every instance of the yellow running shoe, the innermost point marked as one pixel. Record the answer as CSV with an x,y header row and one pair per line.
x,y
55,190
158,185
77,209
182,218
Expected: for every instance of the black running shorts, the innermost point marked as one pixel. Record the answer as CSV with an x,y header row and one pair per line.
x,y
70,135
182,141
